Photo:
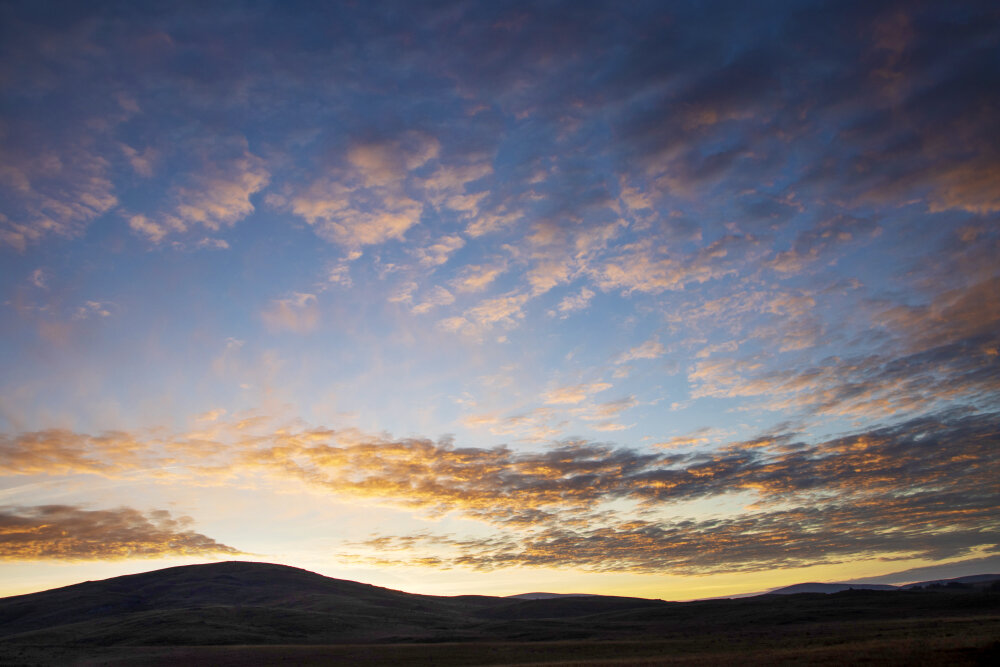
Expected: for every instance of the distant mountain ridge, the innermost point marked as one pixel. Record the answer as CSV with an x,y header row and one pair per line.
x,y
829,588
969,579
548,596
839,587
807,587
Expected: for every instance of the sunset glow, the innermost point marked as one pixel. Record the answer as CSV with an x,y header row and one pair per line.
x,y
671,300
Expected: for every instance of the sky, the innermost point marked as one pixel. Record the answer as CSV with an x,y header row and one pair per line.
x,y
673,300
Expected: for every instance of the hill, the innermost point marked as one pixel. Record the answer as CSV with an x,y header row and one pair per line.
x,y
830,588
206,613
547,596
259,603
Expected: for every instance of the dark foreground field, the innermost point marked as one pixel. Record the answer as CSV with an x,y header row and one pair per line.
x,y
256,614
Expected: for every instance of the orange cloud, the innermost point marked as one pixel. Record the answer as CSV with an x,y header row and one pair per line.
x,y
64,532
930,479
61,452
576,393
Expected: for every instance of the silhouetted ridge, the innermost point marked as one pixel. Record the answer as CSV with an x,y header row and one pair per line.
x,y
260,603
228,602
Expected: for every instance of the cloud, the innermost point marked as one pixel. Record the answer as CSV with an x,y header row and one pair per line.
x,y
214,196
340,274
62,452
365,201
759,542
211,415
489,222
447,188
640,269
921,488
383,163
300,313
208,243
155,232
608,425
454,179
438,252
39,278
969,186
939,353
68,533
711,350
609,409
222,195
51,192
721,171
142,162
356,218
94,309
578,476
404,293
702,436
475,278
572,394
818,242
438,296
503,311
537,425
651,349
573,302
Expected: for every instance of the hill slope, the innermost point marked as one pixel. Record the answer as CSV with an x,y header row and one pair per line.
x,y
256,603
234,602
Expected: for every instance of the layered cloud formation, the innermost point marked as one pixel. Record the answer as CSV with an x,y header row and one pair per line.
x,y
925,487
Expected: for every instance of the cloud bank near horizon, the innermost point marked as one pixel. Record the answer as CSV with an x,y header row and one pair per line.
x,y
921,488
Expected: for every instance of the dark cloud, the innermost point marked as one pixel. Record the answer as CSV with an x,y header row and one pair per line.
x,y
65,532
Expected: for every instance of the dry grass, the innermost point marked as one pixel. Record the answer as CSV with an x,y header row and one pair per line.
x,y
947,641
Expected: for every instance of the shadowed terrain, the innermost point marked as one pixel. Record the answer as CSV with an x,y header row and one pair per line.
x,y
254,613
